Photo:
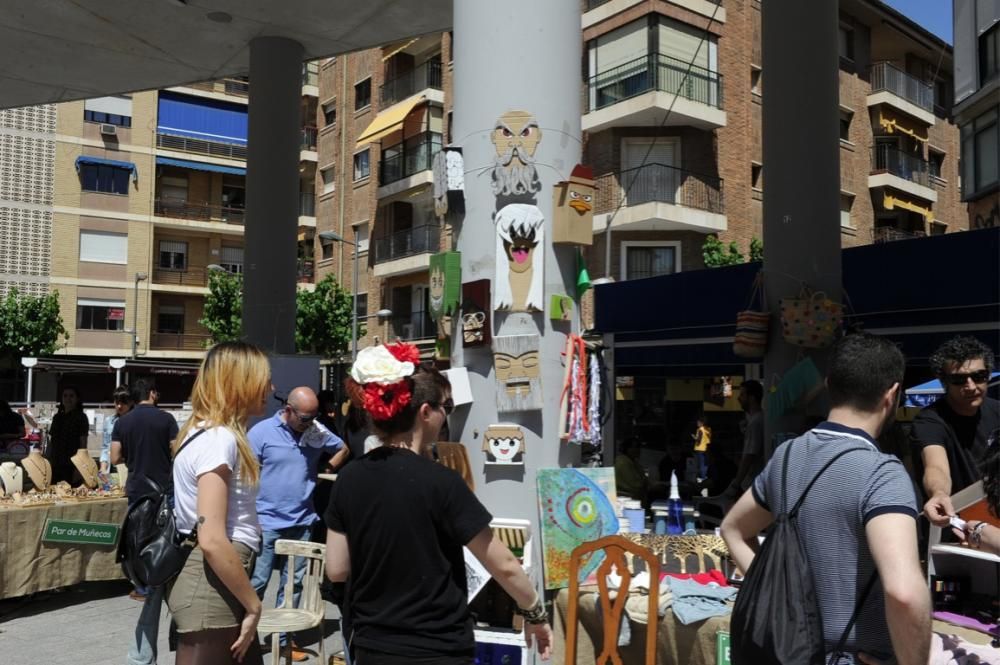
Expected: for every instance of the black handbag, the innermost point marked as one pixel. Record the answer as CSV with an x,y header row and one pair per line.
x,y
151,550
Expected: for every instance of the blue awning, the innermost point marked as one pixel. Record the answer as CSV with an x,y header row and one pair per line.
x,y
199,118
200,166
128,166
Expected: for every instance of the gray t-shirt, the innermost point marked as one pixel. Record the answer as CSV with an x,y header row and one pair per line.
x,y
857,487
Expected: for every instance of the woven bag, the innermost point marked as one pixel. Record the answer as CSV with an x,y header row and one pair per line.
x,y
812,320
752,324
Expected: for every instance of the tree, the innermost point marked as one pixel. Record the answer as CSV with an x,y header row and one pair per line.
x,y
715,255
223,313
756,249
323,320
30,325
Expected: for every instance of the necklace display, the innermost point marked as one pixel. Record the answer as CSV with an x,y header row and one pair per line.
x,y
87,467
11,478
39,470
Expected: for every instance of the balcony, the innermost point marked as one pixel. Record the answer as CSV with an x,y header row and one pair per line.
x,y
656,197
407,164
307,204
231,87
200,147
172,341
201,212
901,91
597,11
891,234
900,170
310,75
187,277
426,76
406,251
639,93
305,272
308,141
412,326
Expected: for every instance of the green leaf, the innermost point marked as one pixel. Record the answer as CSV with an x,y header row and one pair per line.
x,y
30,325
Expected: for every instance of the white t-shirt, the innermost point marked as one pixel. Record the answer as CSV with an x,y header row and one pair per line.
x,y
215,448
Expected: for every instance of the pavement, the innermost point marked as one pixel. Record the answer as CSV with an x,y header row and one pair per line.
x,y
92,623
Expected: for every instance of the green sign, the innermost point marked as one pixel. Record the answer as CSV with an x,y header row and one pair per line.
x,y
80,533
722,648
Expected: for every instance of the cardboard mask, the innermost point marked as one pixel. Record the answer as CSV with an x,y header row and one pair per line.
x,y
516,362
476,313
573,208
449,181
504,444
445,283
515,136
520,248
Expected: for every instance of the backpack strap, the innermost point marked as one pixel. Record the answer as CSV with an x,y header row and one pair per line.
x,y
798,504
839,650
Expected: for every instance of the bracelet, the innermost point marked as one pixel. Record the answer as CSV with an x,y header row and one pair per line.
x,y
536,614
976,535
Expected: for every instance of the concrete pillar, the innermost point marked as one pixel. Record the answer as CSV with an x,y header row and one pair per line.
x,y
516,55
801,167
272,193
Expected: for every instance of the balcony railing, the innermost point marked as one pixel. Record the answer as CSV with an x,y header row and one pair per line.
x,y
655,72
310,74
305,272
887,159
661,184
198,211
427,75
418,240
187,277
307,204
200,147
308,138
165,341
890,233
411,326
408,158
885,76
234,87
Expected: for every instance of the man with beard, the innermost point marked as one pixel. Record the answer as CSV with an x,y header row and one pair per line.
x,y
859,516
520,232
951,434
515,136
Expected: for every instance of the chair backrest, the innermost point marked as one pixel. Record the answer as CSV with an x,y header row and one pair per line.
x,y
315,556
455,456
614,549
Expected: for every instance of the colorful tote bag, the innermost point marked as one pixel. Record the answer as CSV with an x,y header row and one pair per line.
x,y
812,320
752,324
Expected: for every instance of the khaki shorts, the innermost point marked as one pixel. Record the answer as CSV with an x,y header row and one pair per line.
x,y
198,600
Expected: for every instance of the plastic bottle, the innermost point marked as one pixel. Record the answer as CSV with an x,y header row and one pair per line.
x,y
675,509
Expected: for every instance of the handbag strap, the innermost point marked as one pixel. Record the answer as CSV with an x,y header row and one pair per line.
x,y
757,292
189,440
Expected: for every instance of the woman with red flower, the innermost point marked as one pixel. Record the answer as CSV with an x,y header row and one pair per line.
x,y
397,524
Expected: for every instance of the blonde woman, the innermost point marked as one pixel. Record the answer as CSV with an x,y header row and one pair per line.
x,y
215,488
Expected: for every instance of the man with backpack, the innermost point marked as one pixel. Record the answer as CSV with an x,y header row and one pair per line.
x,y
851,589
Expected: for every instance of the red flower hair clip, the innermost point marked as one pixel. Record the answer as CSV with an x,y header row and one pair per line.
x,y
384,402
404,353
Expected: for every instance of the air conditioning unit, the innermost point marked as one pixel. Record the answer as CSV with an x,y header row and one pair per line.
x,y
109,130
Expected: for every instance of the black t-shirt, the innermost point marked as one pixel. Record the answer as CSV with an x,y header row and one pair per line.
x,y
964,437
11,423
68,427
145,433
406,519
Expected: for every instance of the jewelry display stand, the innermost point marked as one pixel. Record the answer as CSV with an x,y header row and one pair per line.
x,y
39,470
87,467
11,477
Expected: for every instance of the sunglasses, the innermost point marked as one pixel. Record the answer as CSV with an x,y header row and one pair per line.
x,y
305,420
960,378
448,405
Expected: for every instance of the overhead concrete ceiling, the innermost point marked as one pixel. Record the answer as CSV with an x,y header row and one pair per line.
x,y
59,50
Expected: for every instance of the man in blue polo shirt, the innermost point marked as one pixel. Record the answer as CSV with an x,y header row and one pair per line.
x,y
289,447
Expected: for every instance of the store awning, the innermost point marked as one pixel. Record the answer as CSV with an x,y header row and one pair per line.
x,y
200,166
399,48
388,121
893,123
87,159
891,202
925,393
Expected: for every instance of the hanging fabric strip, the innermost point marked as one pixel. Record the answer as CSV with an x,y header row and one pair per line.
x,y
594,407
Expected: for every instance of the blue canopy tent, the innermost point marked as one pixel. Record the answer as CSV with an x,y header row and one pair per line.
x,y
924,394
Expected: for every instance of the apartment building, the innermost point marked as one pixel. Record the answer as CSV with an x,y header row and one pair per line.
x,y
671,95
977,87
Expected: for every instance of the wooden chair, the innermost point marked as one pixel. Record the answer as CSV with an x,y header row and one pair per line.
x,y
615,549
311,612
455,456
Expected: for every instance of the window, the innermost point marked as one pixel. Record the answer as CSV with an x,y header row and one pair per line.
x,y
114,110
980,148
363,94
845,42
936,160
756,170
107,118
361,236
451,126
989,54
231,258
104,247
845,124
173,255
362,169
362,311
330,113
755,80
329,179
104,179
326,250
846,203
170,319
650,259
938,228
94,314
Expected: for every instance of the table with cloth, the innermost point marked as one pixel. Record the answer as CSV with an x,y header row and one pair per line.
x,y
28,565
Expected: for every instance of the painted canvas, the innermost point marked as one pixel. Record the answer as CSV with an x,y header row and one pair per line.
x,y
520,248
515,137
560,308
516,364
476,313
575,506
445,283
573,208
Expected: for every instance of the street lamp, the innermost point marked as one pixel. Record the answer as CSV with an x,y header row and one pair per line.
x,y
29,364
117,364
331,236
139,277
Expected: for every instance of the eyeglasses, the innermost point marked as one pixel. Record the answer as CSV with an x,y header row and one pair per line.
x,y
960,378
448,406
